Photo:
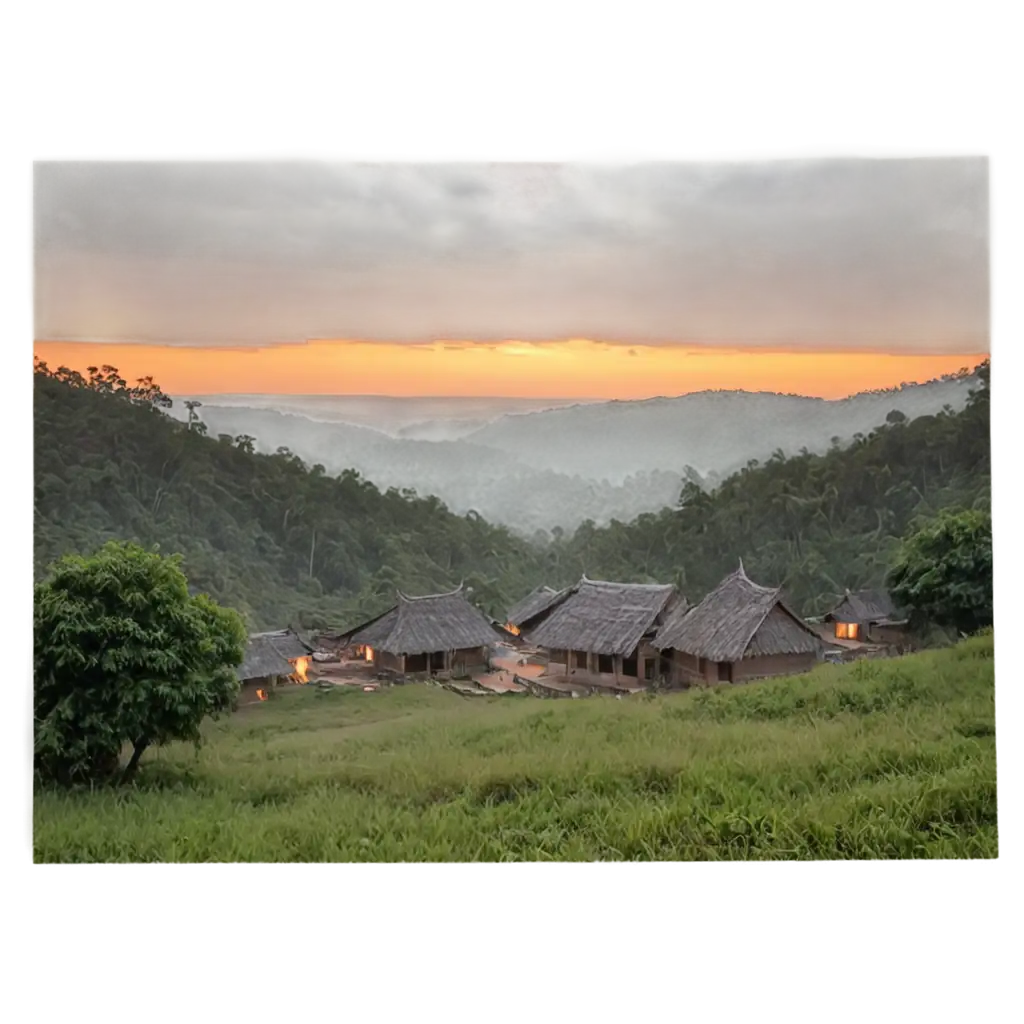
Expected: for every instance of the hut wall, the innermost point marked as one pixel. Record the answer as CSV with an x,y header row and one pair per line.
x,y
887,634
772,665
646,656
468,660
387,661
683,668
558,662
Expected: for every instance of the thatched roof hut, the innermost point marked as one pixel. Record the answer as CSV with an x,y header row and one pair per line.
x,y
601,617
536,602
422,625
865,607
739,619
272,654
268,654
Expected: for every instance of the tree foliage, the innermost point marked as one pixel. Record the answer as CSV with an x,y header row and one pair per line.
x,y
124,655
944,571
265,534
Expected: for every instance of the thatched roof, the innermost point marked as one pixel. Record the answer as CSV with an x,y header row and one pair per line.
x,y
533,604
863,606
502,634
262,659
738,619
602,617
287,643
271,654
419,625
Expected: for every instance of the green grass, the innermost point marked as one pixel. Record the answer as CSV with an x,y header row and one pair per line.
x,y
879,759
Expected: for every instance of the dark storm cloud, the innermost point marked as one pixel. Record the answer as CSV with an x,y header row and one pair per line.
x,y
888,254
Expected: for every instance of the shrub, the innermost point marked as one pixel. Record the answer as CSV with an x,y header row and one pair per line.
x,y
124,655
944,571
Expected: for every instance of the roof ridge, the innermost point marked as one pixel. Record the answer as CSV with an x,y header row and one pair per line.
x,y
616,583
426,597
740,574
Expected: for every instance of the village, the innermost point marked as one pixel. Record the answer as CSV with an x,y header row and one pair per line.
x,y
594,637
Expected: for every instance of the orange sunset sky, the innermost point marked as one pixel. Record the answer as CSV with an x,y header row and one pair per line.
x,y
567,369
815,277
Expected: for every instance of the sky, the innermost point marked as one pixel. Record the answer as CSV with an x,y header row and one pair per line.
x,y
602,281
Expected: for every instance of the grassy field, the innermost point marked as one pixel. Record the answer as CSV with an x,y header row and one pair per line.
x,y
879,759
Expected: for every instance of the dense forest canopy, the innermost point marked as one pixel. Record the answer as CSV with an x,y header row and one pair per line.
x,y
285,542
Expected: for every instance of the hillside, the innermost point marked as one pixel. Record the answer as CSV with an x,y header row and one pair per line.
x,y
716,432
813,524
259,532
879,759
440,429
283,542
434,418
619,460
465,475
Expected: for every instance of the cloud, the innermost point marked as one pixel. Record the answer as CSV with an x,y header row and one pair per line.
x,y
328,213
888,254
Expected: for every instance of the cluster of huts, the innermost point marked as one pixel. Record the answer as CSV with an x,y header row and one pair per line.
x,y
603,633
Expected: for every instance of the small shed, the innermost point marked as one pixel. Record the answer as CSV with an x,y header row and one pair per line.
x,y
740,631
868,616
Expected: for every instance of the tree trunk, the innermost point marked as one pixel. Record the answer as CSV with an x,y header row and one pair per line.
x,y
133,764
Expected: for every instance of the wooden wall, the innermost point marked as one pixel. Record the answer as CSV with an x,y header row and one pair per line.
x,y
565,663
689,670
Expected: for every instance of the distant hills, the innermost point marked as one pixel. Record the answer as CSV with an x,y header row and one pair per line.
x,y
466,476
716,432
540,464
387,413
440,430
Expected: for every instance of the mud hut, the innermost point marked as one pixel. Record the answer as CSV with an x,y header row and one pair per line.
x,y
868,616
601,631
740,631
432,633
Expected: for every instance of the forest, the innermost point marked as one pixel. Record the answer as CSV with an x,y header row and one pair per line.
x,y
284,542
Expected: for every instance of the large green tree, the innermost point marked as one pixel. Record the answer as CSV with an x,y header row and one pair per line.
x,y
943,573
125,656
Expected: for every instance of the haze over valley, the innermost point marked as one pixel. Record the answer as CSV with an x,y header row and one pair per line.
x,y
601,461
